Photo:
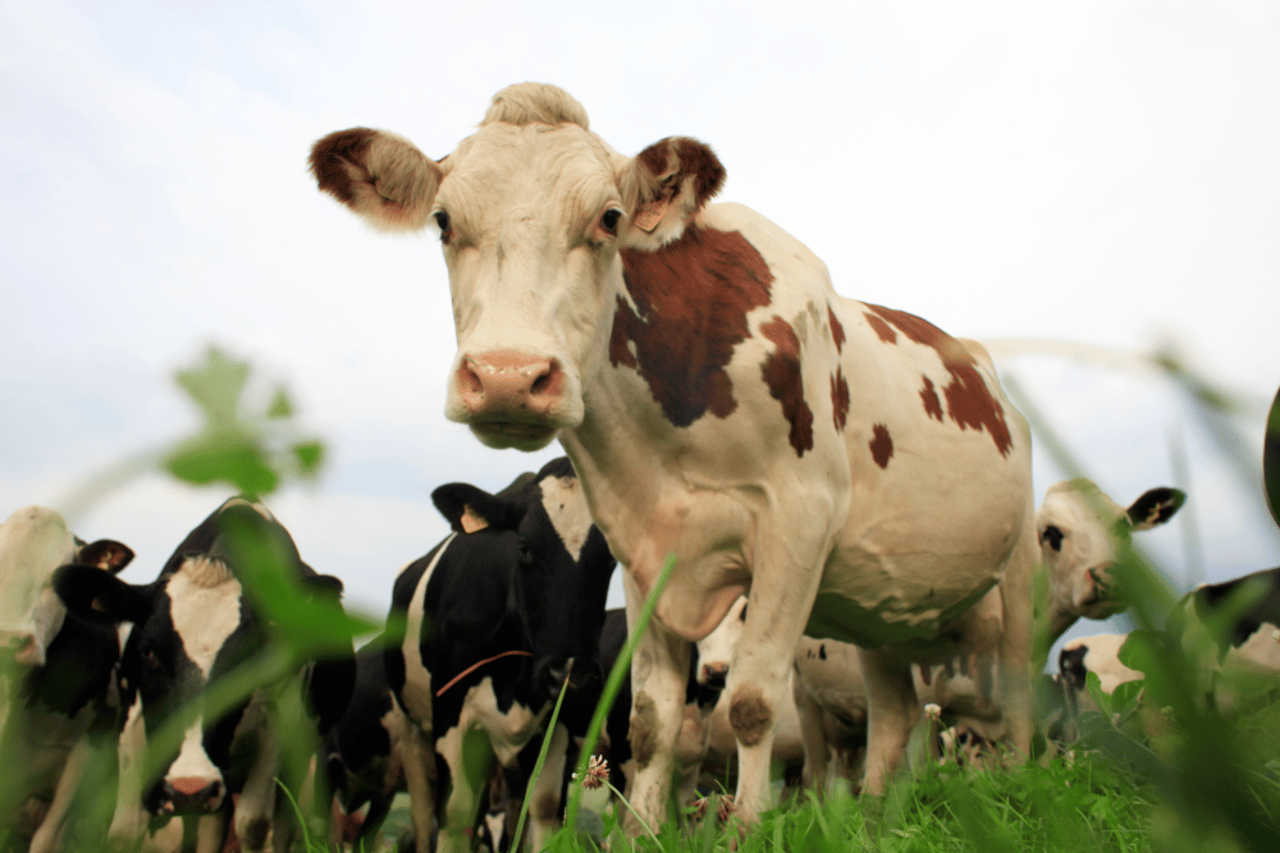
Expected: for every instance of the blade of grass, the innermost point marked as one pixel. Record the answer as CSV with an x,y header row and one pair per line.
x,y
542,758
621,668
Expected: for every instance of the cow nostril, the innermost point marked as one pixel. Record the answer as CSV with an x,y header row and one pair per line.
x,y
469,381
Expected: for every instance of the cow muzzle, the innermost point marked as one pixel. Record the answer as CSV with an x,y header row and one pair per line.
x,y
510,399
191,795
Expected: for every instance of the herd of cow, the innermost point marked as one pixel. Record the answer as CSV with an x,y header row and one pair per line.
x,y
844,487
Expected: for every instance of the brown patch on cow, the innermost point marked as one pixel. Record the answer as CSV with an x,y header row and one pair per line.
x,y
749,715
881,445
545,805
692,297
255,833
932,405
781,371
969,401
331,156
679,157
839,399
644,729
882,329
837,330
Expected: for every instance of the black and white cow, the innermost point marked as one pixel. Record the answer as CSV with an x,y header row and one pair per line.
x,y
194,624
365,751
58,674
494,615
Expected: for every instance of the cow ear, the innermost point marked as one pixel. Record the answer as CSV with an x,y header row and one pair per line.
x,y
107,554
384,178
89,591
325,584
665,185
469,509
1155,507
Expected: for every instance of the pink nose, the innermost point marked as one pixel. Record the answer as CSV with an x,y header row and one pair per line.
x,y
714,674
509,384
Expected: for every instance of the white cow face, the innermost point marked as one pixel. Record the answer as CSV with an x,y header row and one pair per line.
x,y
34,543
716,650
1081,531
533,211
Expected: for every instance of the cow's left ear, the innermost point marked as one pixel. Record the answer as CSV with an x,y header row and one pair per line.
x,y
325,584
665,185
106,554
469,509
1155,507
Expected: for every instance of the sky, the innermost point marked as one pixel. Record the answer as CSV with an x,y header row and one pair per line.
x,y
1101,173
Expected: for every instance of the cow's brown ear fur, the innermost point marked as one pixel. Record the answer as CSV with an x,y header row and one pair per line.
x,y
665,185
383,177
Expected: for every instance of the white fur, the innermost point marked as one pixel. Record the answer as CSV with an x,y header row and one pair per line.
x,y
566,506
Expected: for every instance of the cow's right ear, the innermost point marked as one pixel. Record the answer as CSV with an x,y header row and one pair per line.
x,y
1154,507
469,509
383,177
91,592
664,186
107,554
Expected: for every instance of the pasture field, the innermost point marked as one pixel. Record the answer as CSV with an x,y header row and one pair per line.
x,y
1196,781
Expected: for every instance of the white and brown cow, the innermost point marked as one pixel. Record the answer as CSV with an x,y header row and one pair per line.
x,y
57,673
852,466
1082,532
193,626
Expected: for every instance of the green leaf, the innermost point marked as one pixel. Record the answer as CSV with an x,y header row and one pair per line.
x,y
281,406
309,455
216,387
1094,685
225,456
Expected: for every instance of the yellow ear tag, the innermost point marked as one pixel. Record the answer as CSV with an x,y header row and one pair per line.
x,y
648,216
472,520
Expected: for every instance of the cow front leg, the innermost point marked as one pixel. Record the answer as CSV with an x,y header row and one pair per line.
x,y
813,736
48,836
892,709
468,755
659,674
544,810
129,821
777,610
419,780
256,806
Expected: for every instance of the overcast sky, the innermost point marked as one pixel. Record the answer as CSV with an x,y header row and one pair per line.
x,y
1100,172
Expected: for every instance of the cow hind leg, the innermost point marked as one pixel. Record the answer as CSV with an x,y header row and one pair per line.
x,y
813,735
892,710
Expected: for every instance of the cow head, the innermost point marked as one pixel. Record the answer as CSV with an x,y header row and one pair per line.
x,y
716,650
532,211
1081,533
557,562
192,626
34,543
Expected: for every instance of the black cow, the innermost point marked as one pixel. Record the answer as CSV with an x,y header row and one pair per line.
x,y
365,751
494,614
60,704
192,626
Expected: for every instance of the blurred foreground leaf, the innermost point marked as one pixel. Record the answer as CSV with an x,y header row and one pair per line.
x,y
251,451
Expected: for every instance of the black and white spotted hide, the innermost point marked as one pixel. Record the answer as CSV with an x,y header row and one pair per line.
x,y
60,704
193,625
518,589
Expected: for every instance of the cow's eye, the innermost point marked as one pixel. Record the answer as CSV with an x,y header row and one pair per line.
x,y
609,220
442,220
1052,536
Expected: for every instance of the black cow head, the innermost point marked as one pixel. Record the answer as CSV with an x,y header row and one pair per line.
x,y
560,568
192,626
